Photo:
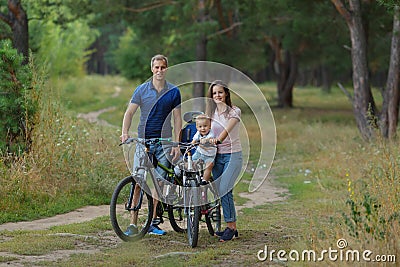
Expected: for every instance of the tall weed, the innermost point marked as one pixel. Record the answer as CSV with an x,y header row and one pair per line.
x,y
72,163
374,197
366,208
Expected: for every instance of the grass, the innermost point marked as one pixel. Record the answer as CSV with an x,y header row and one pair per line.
x,y
73,163
339,187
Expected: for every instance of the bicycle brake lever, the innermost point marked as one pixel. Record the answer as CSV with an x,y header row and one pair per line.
x,y
127,141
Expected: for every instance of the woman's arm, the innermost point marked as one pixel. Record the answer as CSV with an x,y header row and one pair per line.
x,y
231,123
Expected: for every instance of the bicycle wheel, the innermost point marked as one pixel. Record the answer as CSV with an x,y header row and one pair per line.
x,y
213,210
176,214
123,207
192,211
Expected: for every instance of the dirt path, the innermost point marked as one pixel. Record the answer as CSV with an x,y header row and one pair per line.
x,y
80,215
93,117
266,193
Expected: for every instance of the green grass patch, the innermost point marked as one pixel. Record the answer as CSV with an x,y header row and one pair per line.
x,y
34,243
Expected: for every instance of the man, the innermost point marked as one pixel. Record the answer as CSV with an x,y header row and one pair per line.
x,y
157,99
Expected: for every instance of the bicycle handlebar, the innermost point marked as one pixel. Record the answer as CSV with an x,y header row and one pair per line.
x,y
144,141
154,141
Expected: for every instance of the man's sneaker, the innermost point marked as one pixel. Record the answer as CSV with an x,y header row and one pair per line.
x,y
155,230
131,230
228,234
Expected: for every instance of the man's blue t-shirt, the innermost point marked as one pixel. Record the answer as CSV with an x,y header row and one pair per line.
x,y
156,109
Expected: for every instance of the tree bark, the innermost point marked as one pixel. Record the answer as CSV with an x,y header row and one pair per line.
x,y
363,105
390,108
18,21
286,70
201,55
326,81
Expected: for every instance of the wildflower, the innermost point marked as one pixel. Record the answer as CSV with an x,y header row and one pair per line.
x,y
350,189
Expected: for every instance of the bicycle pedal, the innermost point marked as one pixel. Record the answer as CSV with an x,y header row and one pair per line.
x,y
215,216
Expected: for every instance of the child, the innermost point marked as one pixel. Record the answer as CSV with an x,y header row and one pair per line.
x,y
204,152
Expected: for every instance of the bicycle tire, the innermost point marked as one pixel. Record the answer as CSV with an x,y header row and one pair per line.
x,y
192,211
176,213
213,207
177,218
120,214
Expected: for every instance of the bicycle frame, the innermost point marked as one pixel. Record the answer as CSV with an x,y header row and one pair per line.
x,y
187,200
146,166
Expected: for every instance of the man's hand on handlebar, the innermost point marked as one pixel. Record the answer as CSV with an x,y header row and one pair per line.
x,y
124,137
175,153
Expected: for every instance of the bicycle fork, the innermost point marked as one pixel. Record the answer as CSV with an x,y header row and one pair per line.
x,y
138,178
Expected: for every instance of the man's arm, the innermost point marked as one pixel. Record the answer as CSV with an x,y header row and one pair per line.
x,y
176,112
127,121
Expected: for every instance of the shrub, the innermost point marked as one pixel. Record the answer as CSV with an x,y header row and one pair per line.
x,y
17,101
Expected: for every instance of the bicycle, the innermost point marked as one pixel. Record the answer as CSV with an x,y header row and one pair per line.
x,y
132,199
186,208
199,200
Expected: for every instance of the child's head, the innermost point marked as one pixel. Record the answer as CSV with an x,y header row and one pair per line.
x,y
203,124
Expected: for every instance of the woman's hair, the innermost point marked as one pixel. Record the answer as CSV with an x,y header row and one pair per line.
x,y
210,105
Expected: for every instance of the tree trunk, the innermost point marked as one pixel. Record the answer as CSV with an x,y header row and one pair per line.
x,y
390,108
326,80
97,63
363,104
201,55
18,22
286,70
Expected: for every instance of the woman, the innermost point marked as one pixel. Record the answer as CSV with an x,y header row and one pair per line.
x,y
228,161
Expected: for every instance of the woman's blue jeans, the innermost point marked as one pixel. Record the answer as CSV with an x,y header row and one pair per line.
x,y
226,170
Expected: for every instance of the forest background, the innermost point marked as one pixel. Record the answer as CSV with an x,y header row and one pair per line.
x,y
352,44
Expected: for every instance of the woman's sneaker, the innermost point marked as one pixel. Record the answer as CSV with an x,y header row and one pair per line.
x,y
155,230
228,234
221,233
131,230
